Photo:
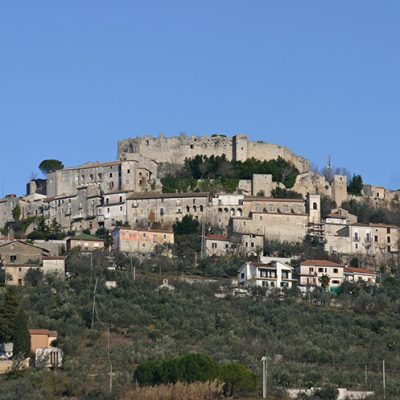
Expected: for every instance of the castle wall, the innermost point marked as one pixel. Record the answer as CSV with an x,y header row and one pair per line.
x,y
174,150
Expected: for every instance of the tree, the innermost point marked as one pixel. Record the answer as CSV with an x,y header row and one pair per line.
x,y
33,277
188,226
47,166
7,315
20,335
237,379
355,185
324,280
16,212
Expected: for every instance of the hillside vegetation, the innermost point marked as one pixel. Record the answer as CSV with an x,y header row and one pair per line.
x,y
311,341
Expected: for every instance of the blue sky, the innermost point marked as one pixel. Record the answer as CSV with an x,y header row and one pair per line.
x,y
321,77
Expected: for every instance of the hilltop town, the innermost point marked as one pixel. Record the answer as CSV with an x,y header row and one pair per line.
x,y
245,195
183,236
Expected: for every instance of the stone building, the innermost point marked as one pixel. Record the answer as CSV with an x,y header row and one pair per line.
x,y
18,257
223,207
175,149
113,209
86,243
273,226
377,240
142,241
145,209
136,174
239,244
7,205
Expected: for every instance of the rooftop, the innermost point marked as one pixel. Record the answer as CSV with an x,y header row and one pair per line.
x,y
320,263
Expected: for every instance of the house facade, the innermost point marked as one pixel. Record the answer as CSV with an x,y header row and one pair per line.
x,y
142,241
311,272
272,275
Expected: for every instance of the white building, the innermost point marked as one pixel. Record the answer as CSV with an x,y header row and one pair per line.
x,y
273,275
359,274
311,271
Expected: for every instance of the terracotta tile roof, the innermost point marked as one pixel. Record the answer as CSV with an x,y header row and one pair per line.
x,y
39,331
272,199
217,237
359,271
336,215
320,263
158,195
54,258
152,230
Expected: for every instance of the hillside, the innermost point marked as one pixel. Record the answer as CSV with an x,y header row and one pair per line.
x,y
309,341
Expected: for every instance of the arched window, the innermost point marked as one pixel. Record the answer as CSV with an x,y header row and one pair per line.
x,y
315,206
233,212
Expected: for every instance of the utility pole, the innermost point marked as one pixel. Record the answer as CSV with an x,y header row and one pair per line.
x,y
110,362
94,303
264,363
384,379
366,376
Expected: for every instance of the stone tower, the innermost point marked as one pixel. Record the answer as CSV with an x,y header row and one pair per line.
x,y
314,208
339,189
240,148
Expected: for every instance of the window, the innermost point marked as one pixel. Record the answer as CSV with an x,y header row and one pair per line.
x,y
335,270
120,199
201,208
356,246
388,239
252,244
161,212
315,206
13,258
388,230
367,237
320,270
214,245
99,175
128,171
389,249
311,270
242,275
107,200
110,174
376,238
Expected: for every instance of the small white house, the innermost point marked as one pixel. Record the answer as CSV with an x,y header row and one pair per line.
x,y
359,274
272,275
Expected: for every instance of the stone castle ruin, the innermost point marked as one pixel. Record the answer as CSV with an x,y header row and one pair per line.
x,y
174,150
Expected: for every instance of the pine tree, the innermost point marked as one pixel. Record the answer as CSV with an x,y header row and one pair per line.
x,y
20,336
7,315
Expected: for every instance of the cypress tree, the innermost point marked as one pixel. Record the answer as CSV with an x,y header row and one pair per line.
x,y
7,315
20,336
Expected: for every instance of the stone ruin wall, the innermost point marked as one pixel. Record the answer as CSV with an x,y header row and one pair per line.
x,y
174,150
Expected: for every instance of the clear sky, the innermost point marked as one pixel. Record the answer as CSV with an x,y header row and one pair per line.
x,y
321,77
